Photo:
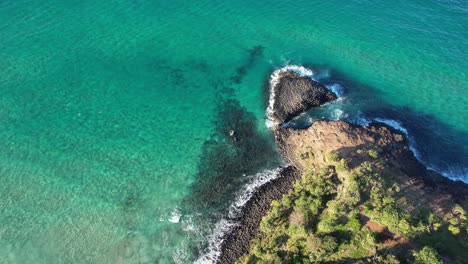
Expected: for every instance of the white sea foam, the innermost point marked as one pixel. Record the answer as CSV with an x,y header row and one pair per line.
x,y
397,125
188,225
362,121
180,256
453,174
393,123
256,181
225,225
336,88
338,114
175,216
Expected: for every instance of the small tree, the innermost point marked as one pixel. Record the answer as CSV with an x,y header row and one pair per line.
x,y
426,255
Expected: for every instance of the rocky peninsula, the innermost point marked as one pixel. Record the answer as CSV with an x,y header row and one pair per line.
x,y
352,194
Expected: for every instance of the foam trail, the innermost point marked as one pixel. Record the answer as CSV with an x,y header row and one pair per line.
x,y
338,114
397,125
336,88
225,225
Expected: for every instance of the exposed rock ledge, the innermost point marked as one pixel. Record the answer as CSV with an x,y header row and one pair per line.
x,y
295,94
237,242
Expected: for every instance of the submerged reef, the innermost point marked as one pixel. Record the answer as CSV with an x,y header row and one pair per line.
x,y
351,194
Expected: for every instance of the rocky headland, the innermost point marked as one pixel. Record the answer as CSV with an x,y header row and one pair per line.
x,y
307,148
374,187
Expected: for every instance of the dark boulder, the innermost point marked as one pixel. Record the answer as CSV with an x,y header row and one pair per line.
x,y
295,94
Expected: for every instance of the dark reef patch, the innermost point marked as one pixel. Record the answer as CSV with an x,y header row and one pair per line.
x,y
254,53
235,149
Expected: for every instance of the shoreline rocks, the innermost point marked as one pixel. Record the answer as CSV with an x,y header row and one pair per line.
x,y
295,94
237,242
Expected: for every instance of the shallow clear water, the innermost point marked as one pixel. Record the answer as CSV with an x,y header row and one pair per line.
x,y
111,113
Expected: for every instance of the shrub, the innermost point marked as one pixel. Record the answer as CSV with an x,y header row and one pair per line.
x,y
329,244
373,153
454,221
324,172
426,255
388,259
457,209
343,165
454,229
404,226
333,156
327,224
369,240
434,221
354,223
286,201
366,167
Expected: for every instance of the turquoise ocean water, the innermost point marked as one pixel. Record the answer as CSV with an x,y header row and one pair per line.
x,y
114,114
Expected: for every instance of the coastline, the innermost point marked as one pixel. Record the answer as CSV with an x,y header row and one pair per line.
x,y
237,240
393,145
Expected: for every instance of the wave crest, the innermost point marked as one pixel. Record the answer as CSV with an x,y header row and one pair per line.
x,y
224,226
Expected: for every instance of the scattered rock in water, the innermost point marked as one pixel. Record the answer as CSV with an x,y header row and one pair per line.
x,y
232,135
295,94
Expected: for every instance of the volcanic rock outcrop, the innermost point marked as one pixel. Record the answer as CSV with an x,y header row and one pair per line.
x,y
295,94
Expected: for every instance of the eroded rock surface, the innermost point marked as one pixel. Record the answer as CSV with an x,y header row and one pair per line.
x,y
295,94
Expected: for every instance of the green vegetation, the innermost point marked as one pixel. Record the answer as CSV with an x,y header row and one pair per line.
x,y
373,153
425,256
359,216
332,156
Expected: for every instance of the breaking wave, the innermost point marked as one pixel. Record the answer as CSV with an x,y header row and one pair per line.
x,y
225,225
